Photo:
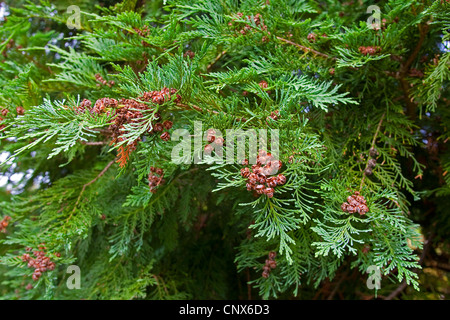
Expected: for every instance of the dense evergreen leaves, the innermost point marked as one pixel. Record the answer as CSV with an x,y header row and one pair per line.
x,y
90,114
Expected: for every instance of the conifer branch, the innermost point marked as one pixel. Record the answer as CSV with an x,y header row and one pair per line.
x,y
302,47
187,107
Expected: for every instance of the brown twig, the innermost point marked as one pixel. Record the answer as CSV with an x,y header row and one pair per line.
x,y
89,183
103,131
307,49
397,291
187,107
336,287
410,106
404,69
372,146
163,284
219,56
302,47
423,31
93,143
378,130
439,265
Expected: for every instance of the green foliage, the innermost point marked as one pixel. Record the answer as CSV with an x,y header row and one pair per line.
x,y
202,235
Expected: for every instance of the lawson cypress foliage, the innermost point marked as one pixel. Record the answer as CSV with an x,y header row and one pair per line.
x,y
95,100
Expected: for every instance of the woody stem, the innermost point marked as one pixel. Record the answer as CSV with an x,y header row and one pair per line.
x,y
372,146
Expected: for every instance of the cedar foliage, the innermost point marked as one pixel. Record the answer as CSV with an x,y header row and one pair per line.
x,y
339,89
